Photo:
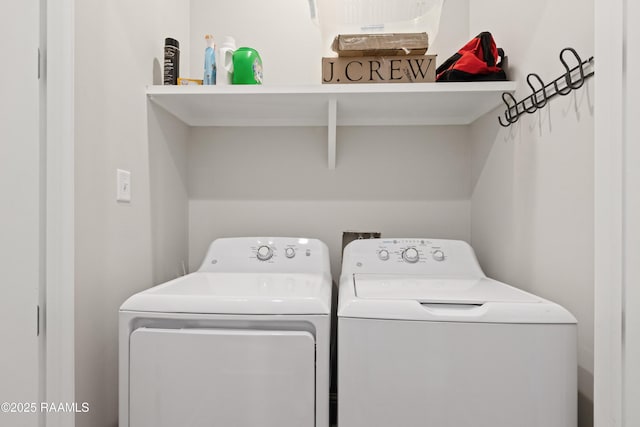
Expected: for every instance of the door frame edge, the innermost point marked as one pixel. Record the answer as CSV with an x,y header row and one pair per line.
x,y
59,310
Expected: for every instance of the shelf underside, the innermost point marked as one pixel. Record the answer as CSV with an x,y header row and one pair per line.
x,y
356,105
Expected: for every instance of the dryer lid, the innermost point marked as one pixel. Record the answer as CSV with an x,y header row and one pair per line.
x,y
426,289
237,293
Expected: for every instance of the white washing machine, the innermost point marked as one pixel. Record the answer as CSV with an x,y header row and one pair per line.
x,y
242,342
426,339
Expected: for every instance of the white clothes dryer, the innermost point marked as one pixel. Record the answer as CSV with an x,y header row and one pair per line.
x,y
244,341
426,339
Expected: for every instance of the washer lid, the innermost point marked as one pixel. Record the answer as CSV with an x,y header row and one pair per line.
x,y
433,299
237,293
435,290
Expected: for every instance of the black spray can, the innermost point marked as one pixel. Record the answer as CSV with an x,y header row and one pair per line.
x,y
171,61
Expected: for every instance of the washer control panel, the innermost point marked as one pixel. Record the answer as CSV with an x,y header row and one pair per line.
x,y
411,255
268,254
290,252
408,256
383,254
410,251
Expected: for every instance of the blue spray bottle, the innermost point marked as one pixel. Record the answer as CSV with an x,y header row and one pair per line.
x,y
209,61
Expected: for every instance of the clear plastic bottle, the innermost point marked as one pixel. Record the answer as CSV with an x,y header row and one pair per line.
x,y
209,62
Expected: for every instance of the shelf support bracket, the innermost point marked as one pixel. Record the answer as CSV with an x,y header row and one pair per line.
x,y
331,127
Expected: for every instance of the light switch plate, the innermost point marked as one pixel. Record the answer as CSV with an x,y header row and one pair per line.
x,y
123,179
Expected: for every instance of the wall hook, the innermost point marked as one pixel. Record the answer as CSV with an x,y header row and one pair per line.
x,y
541,93
567,76
511,104
543,102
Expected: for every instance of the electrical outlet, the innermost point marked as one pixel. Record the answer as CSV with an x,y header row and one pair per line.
x,y
350,236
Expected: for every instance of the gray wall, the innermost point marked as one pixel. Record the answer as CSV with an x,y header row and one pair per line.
x,y
275,181
401,181
118,44
22,212
288,41
532,210
523,196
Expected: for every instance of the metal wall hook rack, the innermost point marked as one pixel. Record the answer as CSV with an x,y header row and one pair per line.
x,y
541,93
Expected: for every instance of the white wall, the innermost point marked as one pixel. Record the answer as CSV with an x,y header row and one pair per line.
x,y
275,181
532,213
632,222
123,248
168,138
21,211
424,186
617,228
288,41
523,196
118,52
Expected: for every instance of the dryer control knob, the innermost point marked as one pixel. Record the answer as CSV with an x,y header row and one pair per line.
x,y
383,254
438,255
264,253
411,255
290,252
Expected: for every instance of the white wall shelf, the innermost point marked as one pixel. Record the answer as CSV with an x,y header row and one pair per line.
x,y
399,104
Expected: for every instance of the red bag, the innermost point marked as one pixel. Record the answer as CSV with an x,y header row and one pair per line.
x,y
478,60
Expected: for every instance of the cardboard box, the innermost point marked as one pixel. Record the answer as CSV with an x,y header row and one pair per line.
x,y
381,44
380,69
188,82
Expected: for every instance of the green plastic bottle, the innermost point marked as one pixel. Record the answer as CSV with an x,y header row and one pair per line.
x,y
247,67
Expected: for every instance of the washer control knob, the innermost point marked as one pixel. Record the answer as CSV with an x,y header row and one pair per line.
x,y
289,252
411,255
264,253
438,255
383,254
